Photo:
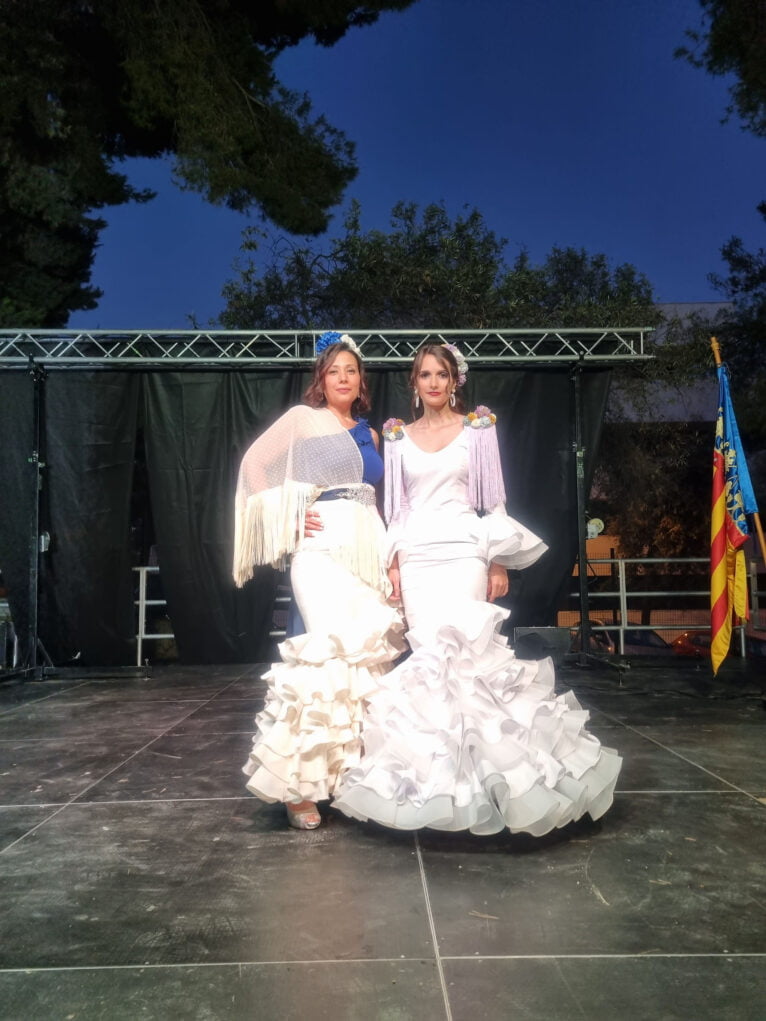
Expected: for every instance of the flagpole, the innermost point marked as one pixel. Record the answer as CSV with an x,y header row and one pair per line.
x,y
756,517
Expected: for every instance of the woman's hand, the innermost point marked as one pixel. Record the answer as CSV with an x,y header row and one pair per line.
x,y
313,523
497,582
395,578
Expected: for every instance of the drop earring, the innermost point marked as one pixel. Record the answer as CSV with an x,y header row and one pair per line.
x,y
417,399
452,399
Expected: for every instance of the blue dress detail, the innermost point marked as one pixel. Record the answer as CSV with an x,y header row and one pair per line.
x,y
372,462
372,473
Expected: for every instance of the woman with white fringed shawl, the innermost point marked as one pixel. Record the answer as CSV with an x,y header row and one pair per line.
x,y
319,454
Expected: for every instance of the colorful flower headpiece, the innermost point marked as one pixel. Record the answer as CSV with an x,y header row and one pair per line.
x,y
332,337
481,418
393,429
462,364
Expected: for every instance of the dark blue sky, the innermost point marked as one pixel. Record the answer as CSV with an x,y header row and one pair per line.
x,y
566,122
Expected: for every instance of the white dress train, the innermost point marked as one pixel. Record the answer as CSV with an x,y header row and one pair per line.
x,y
463,735
309,730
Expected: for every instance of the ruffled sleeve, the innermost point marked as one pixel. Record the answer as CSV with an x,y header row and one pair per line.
x,y
501,538
504,540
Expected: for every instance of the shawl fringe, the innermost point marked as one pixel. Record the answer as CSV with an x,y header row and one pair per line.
x,y
363,556
268,527
271,524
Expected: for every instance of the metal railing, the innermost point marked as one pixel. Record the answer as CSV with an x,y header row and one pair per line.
x,y
622,595
142,635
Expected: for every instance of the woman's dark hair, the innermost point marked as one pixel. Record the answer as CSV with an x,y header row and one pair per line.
x,y
446,359
314,394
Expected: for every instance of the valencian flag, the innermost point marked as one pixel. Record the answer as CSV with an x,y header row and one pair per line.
x,y
733,499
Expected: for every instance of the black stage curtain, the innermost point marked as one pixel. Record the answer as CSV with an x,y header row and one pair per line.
x,y
536,434
87,445
196,427
18,484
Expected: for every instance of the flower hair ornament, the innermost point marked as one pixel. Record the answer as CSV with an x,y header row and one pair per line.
x,y
333,337
462,364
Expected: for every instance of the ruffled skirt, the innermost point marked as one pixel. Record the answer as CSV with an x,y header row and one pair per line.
x,y
464,736
309,730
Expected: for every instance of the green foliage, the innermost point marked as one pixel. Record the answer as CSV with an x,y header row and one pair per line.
x,y
427,269
430,270
733,42
86,85
742,333
654,481
653,475
572,288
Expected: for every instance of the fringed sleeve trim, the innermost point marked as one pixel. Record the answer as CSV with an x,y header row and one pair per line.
x,y
485,473
268,526
392,455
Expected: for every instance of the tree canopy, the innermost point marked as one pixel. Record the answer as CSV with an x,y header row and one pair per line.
x,y
733,42
742,330
429,270
86,85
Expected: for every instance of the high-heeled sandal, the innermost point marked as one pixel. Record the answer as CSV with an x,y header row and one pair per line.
x,y
304,819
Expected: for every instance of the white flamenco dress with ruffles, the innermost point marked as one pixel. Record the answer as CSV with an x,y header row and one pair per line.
x,y
309,730
463,735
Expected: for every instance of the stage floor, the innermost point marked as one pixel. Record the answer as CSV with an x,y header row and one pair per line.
x,y
139,880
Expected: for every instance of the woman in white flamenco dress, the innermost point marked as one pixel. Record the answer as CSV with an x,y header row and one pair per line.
x,y
463,735
318,454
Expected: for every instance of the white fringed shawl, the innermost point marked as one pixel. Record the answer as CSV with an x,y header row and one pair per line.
x,y
304,452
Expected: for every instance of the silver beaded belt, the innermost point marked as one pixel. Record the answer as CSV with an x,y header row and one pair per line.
x,y
361,493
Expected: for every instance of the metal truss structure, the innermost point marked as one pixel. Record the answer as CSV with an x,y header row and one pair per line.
x,y
40,351
168,348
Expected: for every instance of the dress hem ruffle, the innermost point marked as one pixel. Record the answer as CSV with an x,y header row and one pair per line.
x,y
464,736
309,730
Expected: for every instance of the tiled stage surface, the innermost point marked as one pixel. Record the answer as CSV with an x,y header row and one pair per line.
x,y
139,880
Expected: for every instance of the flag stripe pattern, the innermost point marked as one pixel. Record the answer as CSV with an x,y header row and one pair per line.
x,y
732,500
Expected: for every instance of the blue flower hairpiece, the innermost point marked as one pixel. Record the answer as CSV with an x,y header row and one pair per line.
x,y
329,337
